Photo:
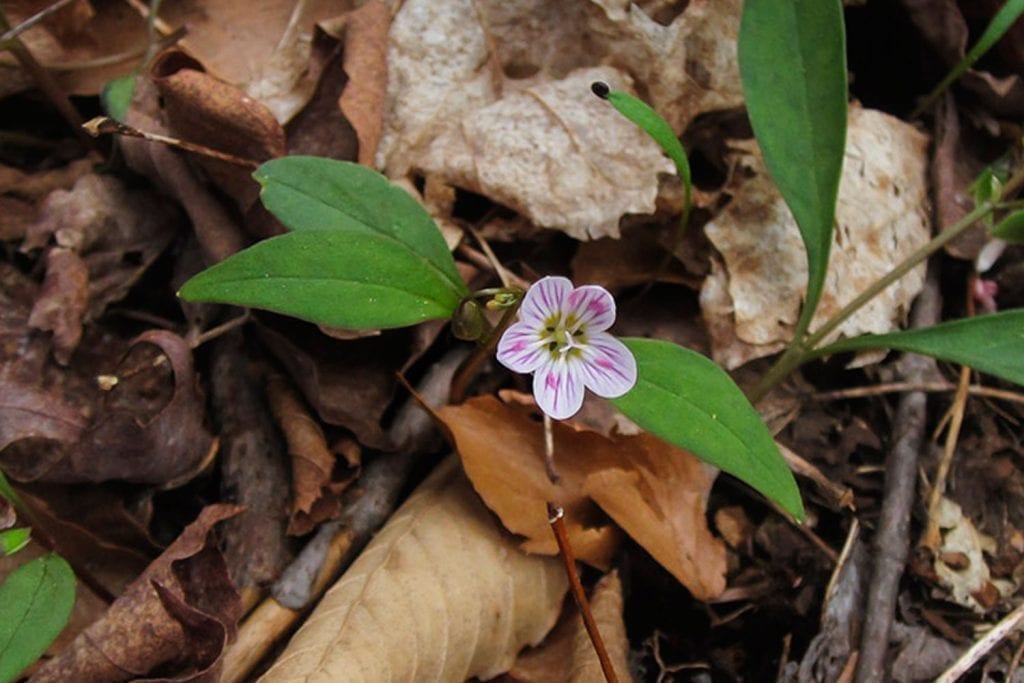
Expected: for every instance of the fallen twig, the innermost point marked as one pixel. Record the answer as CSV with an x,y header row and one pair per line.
x,y
892,538
1007,625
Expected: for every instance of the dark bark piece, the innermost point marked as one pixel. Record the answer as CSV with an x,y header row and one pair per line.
x,y
892,540
253,469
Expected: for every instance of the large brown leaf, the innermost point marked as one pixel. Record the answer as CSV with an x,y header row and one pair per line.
x,y
441,594
655,492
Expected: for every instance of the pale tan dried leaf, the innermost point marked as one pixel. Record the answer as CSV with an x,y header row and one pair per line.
x,y
438,70
960,538
440,594
688,67
555,153
567,653
881,217
657,493
659,496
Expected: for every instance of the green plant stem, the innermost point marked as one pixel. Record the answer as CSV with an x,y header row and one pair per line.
x,y
482,352
800,352
997,27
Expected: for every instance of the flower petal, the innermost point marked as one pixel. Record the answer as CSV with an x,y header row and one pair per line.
x,y
521,348
608,368
544,298
593,306
558,388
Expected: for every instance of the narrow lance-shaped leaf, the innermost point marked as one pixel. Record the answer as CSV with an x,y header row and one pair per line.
x,y
313,193
687,400
35,602
990,343
792,58
354,279
651,122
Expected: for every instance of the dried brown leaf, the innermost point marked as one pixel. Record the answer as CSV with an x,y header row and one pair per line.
x,y
316,488
440,594
882,216
62,302
502,451
349,384
193,582
117,232
148,428
263,48
84,45
567,653
366,64
655,492
204,109
659,497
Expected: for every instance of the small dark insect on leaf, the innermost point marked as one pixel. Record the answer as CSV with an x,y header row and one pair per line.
x,y
600,89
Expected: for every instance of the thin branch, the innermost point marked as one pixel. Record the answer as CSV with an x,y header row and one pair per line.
x,y
1007,625
892,539
104,125
904,387
556,518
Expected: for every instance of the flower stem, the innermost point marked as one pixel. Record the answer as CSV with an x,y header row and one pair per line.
x,y
556,518
483,351
549,450
800,352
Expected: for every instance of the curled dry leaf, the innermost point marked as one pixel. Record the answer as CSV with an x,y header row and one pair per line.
x,y
106,236
143,430
751,300
316,490
567,655
440,594
366,65
204,109
655,492
349,384
62,302
187,603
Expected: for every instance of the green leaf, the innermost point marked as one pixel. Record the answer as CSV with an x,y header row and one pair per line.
x,y
792,57
313,193
13,540
990,343
117,96
343,278
35,602
687,400
651,122
1011,228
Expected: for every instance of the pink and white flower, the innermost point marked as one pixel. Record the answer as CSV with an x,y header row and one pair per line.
x,y
561,337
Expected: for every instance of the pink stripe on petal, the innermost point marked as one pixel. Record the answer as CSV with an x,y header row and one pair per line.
x,y
608,368
544,298
558,389
594,306
520,349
